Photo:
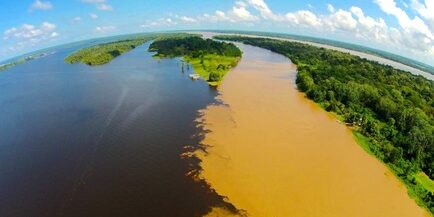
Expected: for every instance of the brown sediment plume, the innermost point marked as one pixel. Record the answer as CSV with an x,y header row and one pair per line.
x,y
272,152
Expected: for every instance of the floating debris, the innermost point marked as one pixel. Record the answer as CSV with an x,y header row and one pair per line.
x,y
194,76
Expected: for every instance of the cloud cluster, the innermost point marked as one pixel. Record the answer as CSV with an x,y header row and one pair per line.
x,y
167,22
76,20
413,33
105,29
93,16
29,35
41,5
27,31
426,10
100,4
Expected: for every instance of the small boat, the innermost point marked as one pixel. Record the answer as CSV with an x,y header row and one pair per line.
x,y
194,76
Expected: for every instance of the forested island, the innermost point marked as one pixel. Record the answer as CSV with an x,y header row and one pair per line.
x,y
12,64
103,53
23,60
210,59
390,111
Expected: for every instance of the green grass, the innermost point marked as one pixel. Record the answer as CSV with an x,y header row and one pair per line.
x,y
210,59
206,64
425,181
363,141
415,188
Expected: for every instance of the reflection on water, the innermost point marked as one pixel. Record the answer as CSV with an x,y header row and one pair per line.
x,y
272,152
100,141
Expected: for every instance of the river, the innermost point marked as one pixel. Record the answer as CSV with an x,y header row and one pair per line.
x,y
272,152
77,140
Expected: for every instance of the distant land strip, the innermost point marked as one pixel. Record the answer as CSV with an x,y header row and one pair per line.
x,y
23,60
376,52
103,53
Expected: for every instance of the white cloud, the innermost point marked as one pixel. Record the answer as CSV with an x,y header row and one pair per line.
x,y
93,16
188,19
408,24
369,27
27,31
330,8
76,19
163,22
104,7
431,51
105,29
303,17
414,33
426,10
41,5
94,1
99,4
218,16
239,12
264,10
28,35
341,20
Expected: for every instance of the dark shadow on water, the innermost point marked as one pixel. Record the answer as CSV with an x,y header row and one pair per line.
x,y
101,141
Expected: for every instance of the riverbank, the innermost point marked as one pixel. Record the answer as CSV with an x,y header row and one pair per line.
x,y
367,56
210,59
6,66
272,152
373,99
104,53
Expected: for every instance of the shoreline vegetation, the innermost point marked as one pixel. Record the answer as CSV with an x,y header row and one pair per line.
x,y
390,111
210,59
23,60
368,50
104,53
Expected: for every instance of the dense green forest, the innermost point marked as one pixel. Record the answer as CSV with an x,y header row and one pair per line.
x,y
394,57
210,59
104,53
391,111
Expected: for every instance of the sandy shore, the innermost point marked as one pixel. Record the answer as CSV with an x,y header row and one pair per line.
x,y
272,152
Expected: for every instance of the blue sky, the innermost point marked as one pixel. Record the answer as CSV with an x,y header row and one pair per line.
x,y
405,27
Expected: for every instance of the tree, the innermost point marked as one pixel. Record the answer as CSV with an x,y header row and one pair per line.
x,y
214,76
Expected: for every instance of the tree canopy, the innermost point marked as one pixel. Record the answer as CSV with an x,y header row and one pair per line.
x,y
211,59
103,53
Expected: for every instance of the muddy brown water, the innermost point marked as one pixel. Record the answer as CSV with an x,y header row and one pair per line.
x,y
272,152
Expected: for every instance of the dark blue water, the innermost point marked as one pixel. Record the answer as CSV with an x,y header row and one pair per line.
x,y
84,141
